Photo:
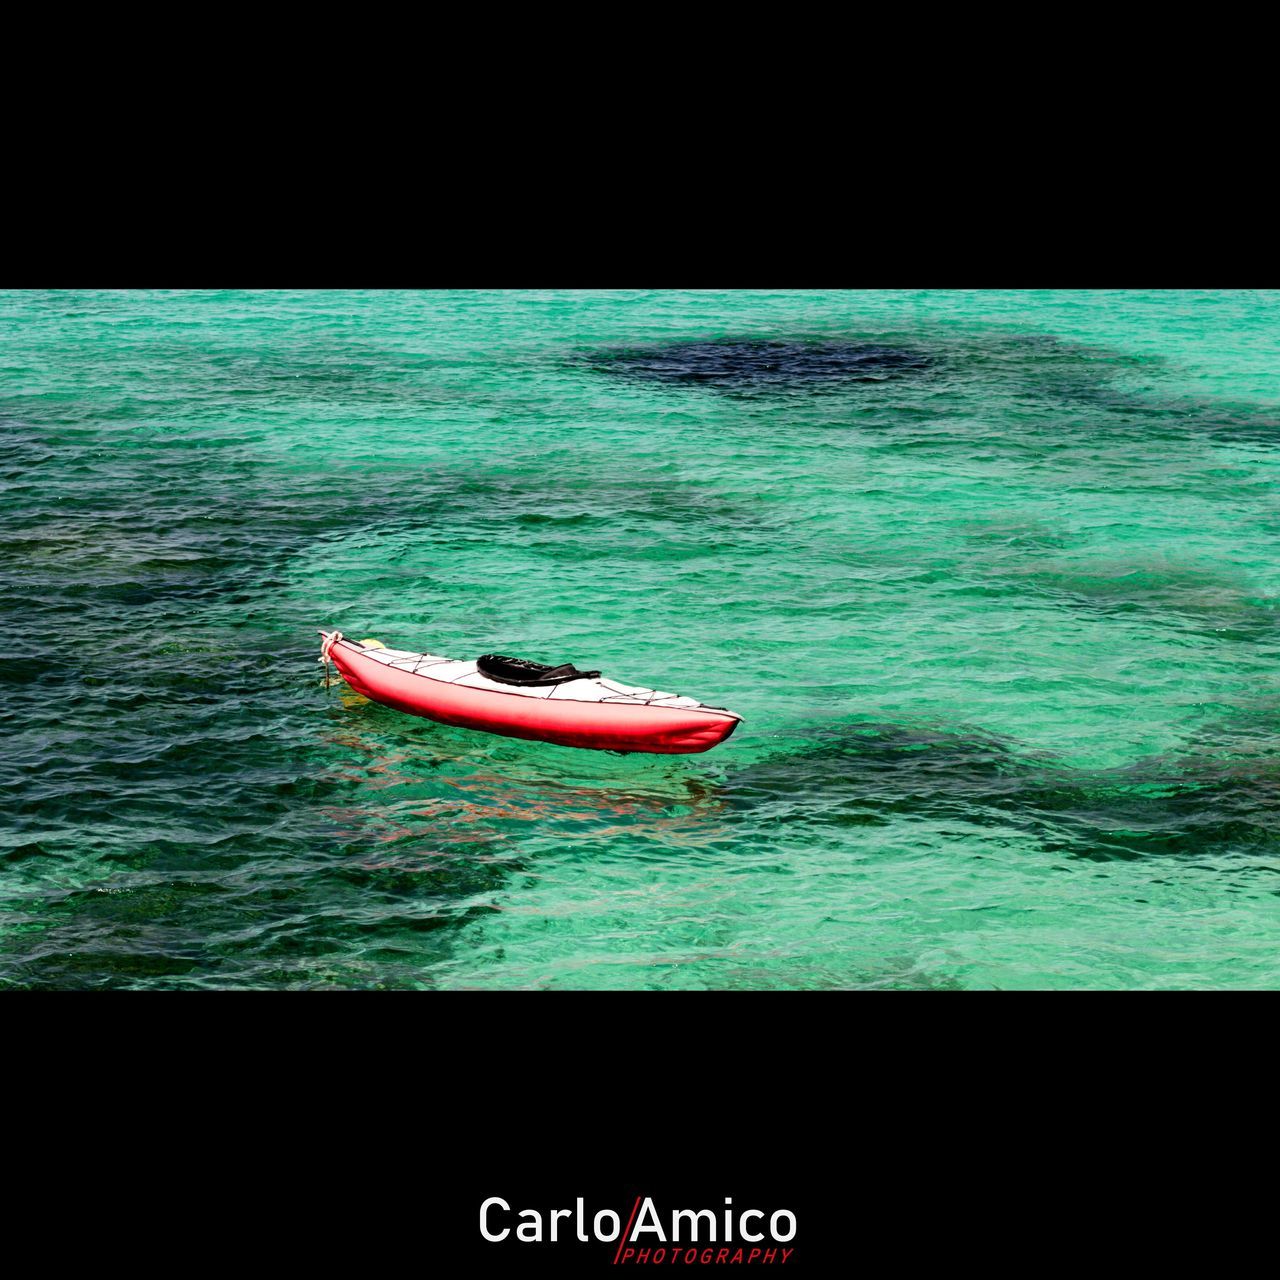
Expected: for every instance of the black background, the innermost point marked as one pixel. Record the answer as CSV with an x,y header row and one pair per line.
x,y
1012,197
361,1132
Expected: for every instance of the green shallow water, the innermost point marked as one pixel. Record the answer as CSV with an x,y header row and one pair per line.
x,y
993,578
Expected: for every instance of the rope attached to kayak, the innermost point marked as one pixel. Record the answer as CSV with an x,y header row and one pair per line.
x,y
326,644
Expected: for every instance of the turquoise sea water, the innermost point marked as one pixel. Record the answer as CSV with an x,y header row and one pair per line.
x,y
993,578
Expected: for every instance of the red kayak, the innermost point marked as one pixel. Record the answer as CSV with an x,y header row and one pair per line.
x,y
523,699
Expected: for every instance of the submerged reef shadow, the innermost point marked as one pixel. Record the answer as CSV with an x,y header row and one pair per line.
x,y
758,366
1195,598
1053,371
1079,375
870,774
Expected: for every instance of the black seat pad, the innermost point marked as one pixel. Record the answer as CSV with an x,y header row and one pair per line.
x,y
522,671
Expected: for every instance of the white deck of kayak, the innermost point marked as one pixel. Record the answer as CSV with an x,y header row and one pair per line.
x,y
466,675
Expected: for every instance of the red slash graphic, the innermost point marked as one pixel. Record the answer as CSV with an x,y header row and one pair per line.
x,y
627,1232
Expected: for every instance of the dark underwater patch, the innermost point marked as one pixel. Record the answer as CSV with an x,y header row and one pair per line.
x,y
1239,424
1074,375
759,366
1189,597
871,774
1036,369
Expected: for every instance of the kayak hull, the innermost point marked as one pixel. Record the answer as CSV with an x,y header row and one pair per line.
x,y
593,725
